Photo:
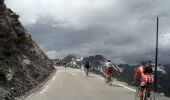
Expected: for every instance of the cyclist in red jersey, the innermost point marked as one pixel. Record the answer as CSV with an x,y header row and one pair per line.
x,y
109,70
145,73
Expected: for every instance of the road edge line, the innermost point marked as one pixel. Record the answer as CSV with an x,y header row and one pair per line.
x,y
120,85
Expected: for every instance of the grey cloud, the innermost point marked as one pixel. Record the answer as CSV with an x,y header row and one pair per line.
x,y
124,30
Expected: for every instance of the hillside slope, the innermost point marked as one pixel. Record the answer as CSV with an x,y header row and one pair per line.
x,y
22,64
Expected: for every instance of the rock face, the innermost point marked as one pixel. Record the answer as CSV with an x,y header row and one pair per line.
x,y
22,64
1,2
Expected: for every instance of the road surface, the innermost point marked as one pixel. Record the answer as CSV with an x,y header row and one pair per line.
x,y
71,84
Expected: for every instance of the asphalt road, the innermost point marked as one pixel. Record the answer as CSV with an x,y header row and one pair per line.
x,y
72,84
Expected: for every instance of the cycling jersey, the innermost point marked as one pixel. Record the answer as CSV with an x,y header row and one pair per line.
x,y
87,66
109,68
145,77
109,64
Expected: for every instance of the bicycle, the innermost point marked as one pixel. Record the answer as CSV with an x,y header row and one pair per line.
x,y
146,93
86,72
108,77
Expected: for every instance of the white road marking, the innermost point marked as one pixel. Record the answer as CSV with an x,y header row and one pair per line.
x,y
54,78
127,88
120,85
47,86
101,77
44,89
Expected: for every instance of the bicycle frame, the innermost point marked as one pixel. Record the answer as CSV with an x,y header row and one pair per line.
x,y
145,93
86,71
109,79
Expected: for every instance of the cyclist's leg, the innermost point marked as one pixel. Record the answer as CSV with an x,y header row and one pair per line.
x,y
110,79
110,74
141,90
106,75
87,71
107,78
149,89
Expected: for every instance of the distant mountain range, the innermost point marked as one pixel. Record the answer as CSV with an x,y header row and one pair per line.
x,y
124,72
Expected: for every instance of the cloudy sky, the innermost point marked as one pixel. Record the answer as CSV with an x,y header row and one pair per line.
x,y
123,30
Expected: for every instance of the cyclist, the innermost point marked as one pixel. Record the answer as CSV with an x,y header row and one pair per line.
x,y
65,63
86,68
145,73
108,70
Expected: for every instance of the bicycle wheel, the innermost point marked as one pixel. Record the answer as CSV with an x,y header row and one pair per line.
x,y
86,73
145,93
110,81
137,94
150,97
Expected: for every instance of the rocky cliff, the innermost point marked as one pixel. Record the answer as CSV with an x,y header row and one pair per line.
x,y
22,64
